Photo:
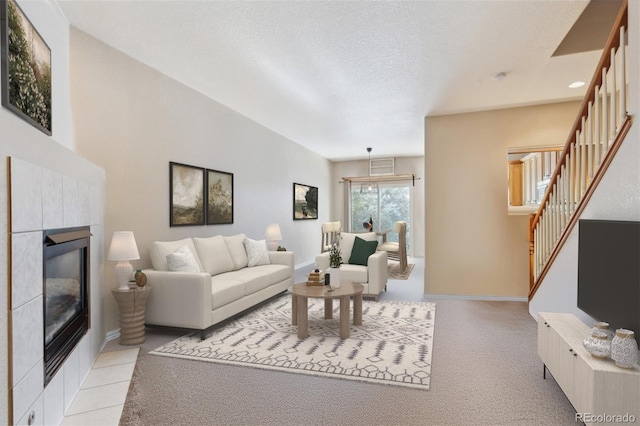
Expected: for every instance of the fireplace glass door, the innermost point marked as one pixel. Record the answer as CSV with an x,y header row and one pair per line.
x,y
63,292
66,288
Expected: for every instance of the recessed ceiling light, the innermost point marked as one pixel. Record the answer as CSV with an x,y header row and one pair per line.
x,y
576,84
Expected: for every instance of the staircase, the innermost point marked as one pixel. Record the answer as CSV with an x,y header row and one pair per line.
x,y
593,141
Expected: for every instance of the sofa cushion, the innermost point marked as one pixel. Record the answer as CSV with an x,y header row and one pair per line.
x,y
214,255
224,291
354,273
347,240
361,251
160,249
182,260
256,252
235,244
259,277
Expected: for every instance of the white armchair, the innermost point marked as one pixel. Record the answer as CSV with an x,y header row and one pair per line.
x,y
373,276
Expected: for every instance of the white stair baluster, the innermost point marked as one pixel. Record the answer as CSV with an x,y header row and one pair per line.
x,y
623,79
612,105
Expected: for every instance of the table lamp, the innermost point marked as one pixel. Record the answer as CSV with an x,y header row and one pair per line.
x,y
273,235
123,249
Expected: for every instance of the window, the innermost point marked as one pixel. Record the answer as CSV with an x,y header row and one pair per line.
x,y
391,203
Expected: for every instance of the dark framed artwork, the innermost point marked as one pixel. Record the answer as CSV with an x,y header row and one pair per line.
x,y
219,197
26,68
187,195
305,202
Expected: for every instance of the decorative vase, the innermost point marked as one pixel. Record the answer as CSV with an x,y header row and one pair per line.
x,y
604,327
141,278
624,348
598,344
334,277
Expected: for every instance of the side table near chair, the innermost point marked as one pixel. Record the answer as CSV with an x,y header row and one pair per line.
x,y
131,303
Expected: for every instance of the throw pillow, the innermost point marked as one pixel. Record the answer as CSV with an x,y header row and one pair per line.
x,y
361,251
235,244
182,261
214,254
347,239
256,252
159,250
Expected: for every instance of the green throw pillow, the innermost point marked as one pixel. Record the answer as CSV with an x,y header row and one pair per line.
x,y
361,251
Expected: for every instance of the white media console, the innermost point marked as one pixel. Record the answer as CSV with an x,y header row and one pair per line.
x,y
600,391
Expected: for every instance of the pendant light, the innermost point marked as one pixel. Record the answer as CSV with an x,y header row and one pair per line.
x,y
369,188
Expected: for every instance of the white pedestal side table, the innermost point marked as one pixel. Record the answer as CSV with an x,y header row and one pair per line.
x,y
131,304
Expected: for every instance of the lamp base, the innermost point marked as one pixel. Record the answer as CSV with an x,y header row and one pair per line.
x,y
272,245
124,273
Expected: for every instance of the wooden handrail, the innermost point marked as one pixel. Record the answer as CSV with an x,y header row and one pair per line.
x,y
577,173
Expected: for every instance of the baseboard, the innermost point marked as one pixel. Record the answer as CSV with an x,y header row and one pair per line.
x,y
428,296
111,334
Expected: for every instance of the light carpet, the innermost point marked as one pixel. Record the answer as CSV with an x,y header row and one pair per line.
x,y
395,272
392,346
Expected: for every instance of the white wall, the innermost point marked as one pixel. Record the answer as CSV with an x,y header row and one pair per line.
x,y
617,197
403,165
48,19
132,121
20,140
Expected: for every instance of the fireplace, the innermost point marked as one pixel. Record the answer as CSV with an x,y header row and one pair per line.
x,y
66,294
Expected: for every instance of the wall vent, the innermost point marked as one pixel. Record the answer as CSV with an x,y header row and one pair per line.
x,y
381,166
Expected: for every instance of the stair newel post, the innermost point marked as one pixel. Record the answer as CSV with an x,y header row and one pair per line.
x,y
531,235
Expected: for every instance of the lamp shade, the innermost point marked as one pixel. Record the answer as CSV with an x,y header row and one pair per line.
x,y
123,246
273,232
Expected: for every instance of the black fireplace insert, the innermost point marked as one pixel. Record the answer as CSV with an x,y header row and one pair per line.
x,y
66,294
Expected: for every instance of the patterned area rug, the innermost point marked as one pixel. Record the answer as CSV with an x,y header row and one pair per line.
x,y
396,273
392,346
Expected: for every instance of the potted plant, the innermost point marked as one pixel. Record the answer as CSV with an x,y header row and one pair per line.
x,y
335,259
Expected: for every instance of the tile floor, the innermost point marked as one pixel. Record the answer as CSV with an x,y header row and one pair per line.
x,y
101,397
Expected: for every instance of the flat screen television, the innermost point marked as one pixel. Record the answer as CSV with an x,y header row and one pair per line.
x,y
609,272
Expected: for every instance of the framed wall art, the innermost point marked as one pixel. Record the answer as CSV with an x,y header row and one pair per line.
x,y
305,202
26,68
187,205
219,197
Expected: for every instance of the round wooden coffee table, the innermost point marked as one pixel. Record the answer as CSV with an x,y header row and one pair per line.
x,y
300,294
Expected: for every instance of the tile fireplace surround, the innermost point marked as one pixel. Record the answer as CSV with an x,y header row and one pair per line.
x,y
43,199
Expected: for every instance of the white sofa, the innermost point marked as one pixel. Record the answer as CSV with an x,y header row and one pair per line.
x,y
219,281
373,276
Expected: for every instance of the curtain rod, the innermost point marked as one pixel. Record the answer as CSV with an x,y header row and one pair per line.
x,y
381,178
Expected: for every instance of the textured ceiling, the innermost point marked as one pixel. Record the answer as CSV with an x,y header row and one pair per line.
x,y
340,76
